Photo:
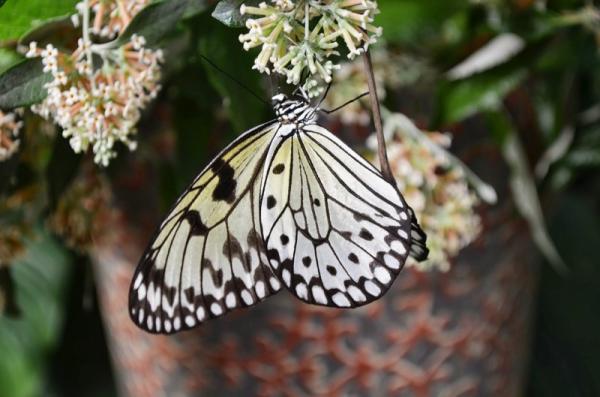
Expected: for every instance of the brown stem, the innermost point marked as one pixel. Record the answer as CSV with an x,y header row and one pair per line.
x,y
381,150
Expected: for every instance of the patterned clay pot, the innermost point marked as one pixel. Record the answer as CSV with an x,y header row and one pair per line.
x,y
460,333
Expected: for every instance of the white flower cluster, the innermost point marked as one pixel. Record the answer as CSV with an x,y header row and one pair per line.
x,y
110,17
9,135
97,108
439,193
302,35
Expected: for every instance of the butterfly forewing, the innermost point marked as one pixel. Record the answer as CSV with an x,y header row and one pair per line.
x,y
208,256
344,234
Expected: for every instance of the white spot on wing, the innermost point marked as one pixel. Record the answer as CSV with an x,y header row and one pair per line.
x,y
341,300
391,261
141,292
382,274
230,300
302,291
287,277
275,284
319,295
138,281
216,309
150,323
356,294
247,297
398,247
260,289
372,288
200,313
190,321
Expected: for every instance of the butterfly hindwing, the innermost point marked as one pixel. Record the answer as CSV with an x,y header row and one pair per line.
x,y
208,255
336,232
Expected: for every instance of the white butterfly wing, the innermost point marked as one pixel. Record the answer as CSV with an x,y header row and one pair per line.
x,y
208,255
336,232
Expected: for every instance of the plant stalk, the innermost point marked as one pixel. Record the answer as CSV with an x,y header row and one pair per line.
x,y
386,170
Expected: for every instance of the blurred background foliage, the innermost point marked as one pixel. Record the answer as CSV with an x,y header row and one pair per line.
x,y
539,100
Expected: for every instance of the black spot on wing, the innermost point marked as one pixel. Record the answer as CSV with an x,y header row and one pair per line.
x,y
170,293
197,227
278,169
366,235
271,202
218,278
189,294
225,190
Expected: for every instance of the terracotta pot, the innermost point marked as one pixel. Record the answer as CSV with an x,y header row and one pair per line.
x,y
461,333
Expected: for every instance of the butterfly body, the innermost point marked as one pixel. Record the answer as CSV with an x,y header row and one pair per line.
x,y
287,204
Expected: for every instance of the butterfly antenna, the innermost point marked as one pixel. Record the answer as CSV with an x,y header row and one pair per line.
x,y
244,86
345,104
324,94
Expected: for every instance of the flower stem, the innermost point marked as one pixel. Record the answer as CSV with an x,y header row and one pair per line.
x,y
381,149
87,43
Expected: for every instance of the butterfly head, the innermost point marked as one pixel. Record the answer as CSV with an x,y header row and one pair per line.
x,y
295,110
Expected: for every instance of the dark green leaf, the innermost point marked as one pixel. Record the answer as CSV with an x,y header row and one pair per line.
x,y
40,280
410,21
195,7
484,91
156,21
8,58
584,157
59,31
523,187
62,168
228,12
19,16
2,2
23,84
244,110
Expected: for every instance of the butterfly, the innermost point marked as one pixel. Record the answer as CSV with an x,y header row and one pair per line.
x,y
287,204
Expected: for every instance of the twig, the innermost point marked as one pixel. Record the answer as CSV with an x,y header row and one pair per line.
x,y
87,42
381,149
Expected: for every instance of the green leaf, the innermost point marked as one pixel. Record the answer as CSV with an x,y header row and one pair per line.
x,y
410,21
62,169
8,58
41,277
523,188
2,2
195,7
484,91
244,110
23,84
156,21
19,16
228,12
58,31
